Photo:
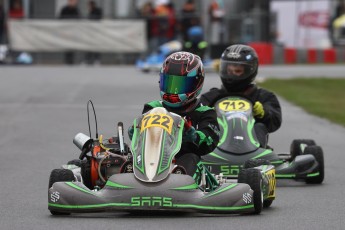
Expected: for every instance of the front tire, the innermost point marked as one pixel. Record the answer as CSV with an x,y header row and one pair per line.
x,y
252,163
253,178
295,147
317,152
60,175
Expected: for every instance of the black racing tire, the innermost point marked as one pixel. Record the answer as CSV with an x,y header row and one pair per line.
x,y
76,162
55,213
317,152
267,203
59,175
85,170
253,178
295,149
252,163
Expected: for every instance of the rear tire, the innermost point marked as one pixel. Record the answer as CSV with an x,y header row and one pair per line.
x,y
75,162
295,149
317,152
86,173
267,203
253,178
59,175
252,163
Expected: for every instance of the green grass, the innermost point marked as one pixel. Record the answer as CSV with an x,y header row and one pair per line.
x,y
323,97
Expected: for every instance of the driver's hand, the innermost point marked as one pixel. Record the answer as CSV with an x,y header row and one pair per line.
x,y
189,135
258,110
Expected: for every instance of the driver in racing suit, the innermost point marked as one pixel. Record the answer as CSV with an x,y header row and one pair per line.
x,y
238,69
181,81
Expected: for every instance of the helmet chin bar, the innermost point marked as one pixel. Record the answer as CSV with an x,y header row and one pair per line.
x,y
237,85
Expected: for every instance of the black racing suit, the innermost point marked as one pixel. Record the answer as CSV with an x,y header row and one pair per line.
x,y
273,115
204,120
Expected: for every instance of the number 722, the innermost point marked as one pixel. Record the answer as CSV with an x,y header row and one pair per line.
x,y
158,120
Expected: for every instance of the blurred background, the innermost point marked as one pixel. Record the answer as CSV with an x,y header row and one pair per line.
x,y
125,31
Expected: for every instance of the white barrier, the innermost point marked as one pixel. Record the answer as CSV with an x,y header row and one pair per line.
x,y
123,36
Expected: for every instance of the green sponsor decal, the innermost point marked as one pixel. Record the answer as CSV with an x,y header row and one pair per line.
x,y
224,125
221,190
285,175
234,208
217,156
264,153
187,187
313,174
203,138
294,175
210,163
230,170
71,184
134,145
204,109
186,206
116,185
160,169
173,153
277,162
151,201
250,134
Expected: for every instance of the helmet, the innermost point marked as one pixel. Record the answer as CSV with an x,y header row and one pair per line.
x,y
181,79
238,67
195,34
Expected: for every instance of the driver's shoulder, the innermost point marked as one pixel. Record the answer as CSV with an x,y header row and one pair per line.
x,y
208,98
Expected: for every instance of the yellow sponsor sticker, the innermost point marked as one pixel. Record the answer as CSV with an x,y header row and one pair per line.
x,y
163,121
271,174
234,105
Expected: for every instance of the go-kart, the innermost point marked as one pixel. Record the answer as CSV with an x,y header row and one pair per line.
x,y
239,148
110,178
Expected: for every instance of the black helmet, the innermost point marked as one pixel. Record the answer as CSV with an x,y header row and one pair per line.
x,y
181,79
238,67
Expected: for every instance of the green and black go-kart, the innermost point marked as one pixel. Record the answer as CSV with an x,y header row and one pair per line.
x,y
107,178
239,148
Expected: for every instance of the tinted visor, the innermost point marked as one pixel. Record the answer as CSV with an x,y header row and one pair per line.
x,y
173,84
235,70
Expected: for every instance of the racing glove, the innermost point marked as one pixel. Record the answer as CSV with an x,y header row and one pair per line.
x,y
189,135
130,132
258,110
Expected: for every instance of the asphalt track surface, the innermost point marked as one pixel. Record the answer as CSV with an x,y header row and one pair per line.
x,y
42,108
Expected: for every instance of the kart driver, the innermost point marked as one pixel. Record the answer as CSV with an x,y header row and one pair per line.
x,y
238,69
181,81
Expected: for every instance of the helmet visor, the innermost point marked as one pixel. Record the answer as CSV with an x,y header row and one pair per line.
x,y
235,70
173,84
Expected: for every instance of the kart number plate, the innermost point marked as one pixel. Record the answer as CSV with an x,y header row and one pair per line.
x,y
163,121
234,105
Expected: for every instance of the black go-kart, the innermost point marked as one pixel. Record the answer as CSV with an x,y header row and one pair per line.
x,y
239,148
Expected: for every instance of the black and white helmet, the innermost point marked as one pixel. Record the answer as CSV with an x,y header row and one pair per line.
x,y
238,67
